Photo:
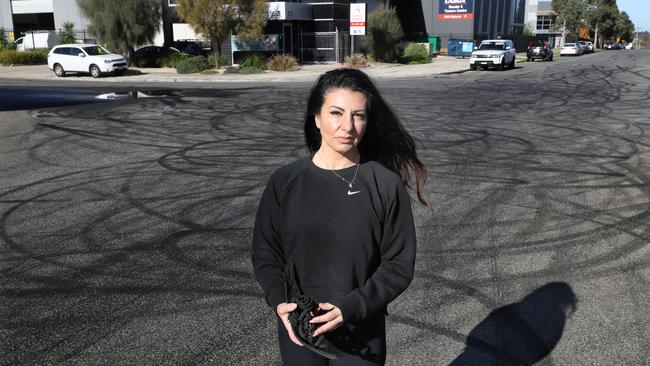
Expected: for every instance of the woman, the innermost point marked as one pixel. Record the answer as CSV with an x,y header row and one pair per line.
x,y
343,216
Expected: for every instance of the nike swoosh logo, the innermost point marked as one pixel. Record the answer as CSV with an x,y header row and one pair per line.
x,y
351,193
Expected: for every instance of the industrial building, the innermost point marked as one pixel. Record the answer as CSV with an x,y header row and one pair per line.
x,y
318,30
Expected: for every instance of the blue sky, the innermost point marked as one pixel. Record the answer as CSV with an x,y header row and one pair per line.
x,y
639,12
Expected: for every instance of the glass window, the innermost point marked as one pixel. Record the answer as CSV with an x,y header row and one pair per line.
x,y
520,11
492,46
61,51
95,50
75,51
544,22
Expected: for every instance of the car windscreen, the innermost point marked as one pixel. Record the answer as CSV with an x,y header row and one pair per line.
x,y
536,44
492,46
95,50
569,45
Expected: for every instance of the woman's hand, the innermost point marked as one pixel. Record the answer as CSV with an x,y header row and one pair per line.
x,y
332,319
283,311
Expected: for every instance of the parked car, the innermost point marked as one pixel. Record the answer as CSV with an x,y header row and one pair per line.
x,y
150,56
191,48
570,49
587,47
86,58
629,46
36,40
613,46
539,50
497,53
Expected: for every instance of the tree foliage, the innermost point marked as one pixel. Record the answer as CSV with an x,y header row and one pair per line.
x,y
68,33
217,19
123,25
383,33
568,16
605,19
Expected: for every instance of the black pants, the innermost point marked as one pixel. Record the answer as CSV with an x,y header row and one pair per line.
x,y
360,345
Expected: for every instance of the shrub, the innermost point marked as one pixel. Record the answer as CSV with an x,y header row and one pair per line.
x,y
282,62
415,53
68,33
223,61
383,33
254,62
4,41
193,64
172,59
32,57
356,61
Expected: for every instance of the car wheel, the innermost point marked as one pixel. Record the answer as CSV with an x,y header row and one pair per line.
x,y
512,64
95,71
58,70
502,65
472,67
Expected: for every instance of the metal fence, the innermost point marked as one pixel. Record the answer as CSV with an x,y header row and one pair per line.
x,y
324,47
81,35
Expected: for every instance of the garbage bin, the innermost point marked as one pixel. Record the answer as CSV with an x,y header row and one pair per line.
x,y
460,47
435,44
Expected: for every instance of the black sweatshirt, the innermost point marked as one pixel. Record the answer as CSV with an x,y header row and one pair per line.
x,y
355,251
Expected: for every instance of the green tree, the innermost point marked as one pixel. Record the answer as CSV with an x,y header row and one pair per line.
x,y
123,25
217,19
624,27
600,16
568,16
383,33
4,41
68,33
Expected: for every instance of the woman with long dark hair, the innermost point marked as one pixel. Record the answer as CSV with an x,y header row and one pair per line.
x,y
334,240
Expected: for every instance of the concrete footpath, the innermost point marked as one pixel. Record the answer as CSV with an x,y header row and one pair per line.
x,y
305,73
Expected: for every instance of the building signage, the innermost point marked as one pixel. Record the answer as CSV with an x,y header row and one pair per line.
x,y
278,10
358,19
455,10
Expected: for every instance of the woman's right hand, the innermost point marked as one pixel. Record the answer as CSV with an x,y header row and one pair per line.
x,y
283,311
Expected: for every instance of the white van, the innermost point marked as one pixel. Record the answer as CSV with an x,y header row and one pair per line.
x,y
37,40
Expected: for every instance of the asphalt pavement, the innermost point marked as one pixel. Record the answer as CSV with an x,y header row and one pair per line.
x,y
125,224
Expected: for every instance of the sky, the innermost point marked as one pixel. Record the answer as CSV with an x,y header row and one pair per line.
x,y
639,12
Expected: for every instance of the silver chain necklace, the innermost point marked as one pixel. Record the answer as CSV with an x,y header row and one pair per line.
x,y
349,182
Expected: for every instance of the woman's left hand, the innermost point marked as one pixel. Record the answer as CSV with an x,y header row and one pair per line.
x,y
332,319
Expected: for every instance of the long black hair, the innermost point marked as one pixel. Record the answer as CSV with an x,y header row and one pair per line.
x,y
385,140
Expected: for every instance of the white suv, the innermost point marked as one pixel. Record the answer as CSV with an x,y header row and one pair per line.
x,y
497,53
89,58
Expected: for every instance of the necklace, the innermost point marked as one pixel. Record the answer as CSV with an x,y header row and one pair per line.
x,y
349,182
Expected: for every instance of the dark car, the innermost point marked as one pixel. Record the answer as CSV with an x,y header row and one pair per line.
x,y
151,56
539,50
191,48
614,46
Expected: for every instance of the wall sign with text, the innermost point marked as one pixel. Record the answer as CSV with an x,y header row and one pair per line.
x,y
357,19
455,10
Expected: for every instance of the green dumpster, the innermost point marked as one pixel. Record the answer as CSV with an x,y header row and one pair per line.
x,y
433,41
435,44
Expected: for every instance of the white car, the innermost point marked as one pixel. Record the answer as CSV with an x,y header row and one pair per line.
x,y
497,53
88,58
572,49
629,46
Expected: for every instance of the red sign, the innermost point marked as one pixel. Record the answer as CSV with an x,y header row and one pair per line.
x,y
357,24
468,16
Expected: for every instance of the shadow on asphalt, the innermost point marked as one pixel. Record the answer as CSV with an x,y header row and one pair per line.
x,y
522,333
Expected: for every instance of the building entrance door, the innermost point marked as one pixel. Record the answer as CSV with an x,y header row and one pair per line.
x,y
287,38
